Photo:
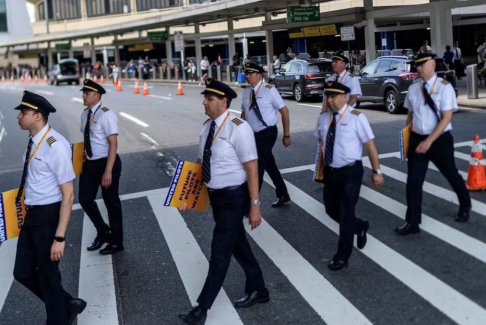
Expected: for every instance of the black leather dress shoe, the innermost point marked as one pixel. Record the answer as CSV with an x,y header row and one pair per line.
x,y
98,242
252,298
280,201
111,249
407,229
337,265
361,242
75,307
463,215
197,315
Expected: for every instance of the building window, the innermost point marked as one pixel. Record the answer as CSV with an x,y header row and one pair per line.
x,y
107,7
60,9
193,2
143,5
3,17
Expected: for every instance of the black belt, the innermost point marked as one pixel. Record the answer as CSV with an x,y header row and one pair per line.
x,y
266,129
333,169
32,207
226,189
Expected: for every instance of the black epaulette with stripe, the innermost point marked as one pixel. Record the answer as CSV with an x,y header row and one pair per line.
x,y
355,112
50,140
105,109
236,121
269,86
207,121
445,82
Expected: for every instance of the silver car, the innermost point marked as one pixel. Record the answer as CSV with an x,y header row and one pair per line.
x,y
67,70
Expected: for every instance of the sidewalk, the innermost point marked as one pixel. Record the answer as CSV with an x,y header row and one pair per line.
x,y
462,99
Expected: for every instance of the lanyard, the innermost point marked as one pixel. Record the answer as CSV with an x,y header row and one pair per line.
x,y
38,145
431,89
91,121
256,92
220,127
344,75
339,119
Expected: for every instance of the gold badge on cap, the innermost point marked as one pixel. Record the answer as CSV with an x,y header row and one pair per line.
x,y
329,83
208,82
85,81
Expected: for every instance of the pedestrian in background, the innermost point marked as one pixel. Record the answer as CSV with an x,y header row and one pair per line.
x,y
260,105
448,57
204,69
101,167
430,101
276,64
342,131
458,64
48,182
229,161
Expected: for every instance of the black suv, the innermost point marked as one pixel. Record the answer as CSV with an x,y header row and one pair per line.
x,y
386,80
302,78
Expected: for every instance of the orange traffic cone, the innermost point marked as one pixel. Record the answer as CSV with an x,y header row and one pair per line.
x,y
115,82
102,80
95,79
179,89
3,79
22,79
145,89
136,90
12,79
29,79
476,174
36,79
119,86
46,81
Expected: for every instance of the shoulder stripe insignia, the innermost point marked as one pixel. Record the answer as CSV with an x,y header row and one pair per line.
x,y
105,109
207,121
355,112
51,140
269,86
445,82
236,121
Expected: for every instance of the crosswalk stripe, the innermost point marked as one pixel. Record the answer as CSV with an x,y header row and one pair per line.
x,y
446,299
430,188
7,256
321,295
467,244
466,157
96,281
190,261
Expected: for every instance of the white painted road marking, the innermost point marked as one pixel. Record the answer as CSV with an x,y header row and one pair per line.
x,y
76,99
134,119
161,97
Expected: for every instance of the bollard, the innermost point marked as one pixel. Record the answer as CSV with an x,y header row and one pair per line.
x,y
176,72
168,72
161,72
154,73
218,72
472,81
228,73
210,71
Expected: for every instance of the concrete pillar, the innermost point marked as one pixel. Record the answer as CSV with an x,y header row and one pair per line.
x,y
244,41
84,10
71,50
231,42
133,5
49,56
93,52
117,49
168,50
197,44
269,48
369,32
440,26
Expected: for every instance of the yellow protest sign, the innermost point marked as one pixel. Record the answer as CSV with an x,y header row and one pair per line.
x,y
12,215
78,157
187,187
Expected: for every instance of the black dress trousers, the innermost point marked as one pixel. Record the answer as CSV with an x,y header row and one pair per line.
x,y
89,182
229,239
441,153
33,266
341,193
265,140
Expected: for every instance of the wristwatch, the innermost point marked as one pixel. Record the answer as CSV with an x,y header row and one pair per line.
x,y
255,202
59,239
377,171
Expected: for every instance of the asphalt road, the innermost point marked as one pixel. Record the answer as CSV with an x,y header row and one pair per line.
x,y
436,277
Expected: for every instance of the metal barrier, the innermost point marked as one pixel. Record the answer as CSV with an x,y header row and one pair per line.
x,y
472,81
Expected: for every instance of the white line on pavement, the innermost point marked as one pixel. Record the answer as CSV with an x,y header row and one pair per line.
x,y
96,281
148,138
463,156
161,97
321,295
45,92
310,105
7,256
190,261
134,119
76,99
446,299
234,111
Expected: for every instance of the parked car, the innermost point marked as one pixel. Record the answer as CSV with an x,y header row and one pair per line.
x,y
67,70
386,80
302,78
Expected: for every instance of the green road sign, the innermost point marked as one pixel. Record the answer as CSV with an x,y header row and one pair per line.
x,y
296,14
158,36
63,46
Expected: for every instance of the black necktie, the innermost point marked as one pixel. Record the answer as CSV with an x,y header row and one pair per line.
x,y
207,154
331,134
255,107
337,77
87,142
24,172
457,54
429,101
